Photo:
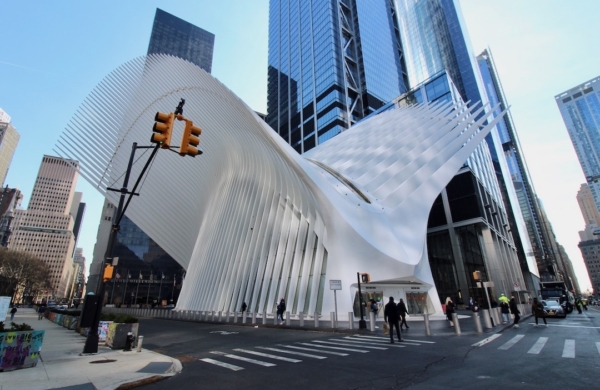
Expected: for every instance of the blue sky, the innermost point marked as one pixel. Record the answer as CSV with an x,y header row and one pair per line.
x,y
53,54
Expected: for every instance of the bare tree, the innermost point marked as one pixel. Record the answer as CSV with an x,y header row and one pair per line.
x,y
22,269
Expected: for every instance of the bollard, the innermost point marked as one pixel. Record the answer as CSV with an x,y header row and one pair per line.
x,y
253,317
139,343
220,316
213,316
497,316
264,318
235,317
486,318
301,316
332,319
244,316
372,321
456,323
287,318
427,327
227,316
316,320
477,321
350,320
275,319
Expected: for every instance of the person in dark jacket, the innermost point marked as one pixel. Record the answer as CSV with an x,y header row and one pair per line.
x,y
281,310
504,308
41,311
244,306
538,311
449,310
402,312
390,313
514,310
12,312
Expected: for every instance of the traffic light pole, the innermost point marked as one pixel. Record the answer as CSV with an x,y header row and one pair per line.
x,y
91,343
362,324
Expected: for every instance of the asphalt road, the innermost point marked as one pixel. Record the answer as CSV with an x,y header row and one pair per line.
x,y
565,355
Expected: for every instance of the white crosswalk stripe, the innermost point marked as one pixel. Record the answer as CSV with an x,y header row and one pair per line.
x,y
338,348
569,349
315,350
245,359
387,340
512,342
341,343
598,346
293,352
350,340
226,365
537,347
268,355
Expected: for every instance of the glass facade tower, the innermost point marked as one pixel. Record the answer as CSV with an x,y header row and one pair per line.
x,y
331,63
174,36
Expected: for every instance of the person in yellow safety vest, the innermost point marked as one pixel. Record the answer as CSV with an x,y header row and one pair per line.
x,y
503,298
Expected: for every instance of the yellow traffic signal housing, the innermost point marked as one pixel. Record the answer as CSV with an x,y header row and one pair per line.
x,y
163,129
190,140
108,273
365,278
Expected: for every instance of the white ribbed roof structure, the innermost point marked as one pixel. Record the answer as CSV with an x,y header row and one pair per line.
x,y
252,220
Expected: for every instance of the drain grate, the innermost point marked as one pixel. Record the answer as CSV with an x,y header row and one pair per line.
x,y
104,361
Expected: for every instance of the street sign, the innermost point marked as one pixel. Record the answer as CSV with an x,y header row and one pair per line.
x,y
335,284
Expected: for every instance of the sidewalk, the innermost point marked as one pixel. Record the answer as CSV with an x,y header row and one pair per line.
x,y
61,366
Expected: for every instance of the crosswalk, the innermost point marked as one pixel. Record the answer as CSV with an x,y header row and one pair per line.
x,y
568,345
337,346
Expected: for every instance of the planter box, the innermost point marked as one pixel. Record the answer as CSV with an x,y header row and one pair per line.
x,y
20,349
102,330
117,334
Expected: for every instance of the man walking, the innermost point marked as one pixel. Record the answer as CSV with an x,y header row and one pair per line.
x,y
280,310
12,312
402,312
514,310
391,315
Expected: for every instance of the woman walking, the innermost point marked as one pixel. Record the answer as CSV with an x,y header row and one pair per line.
x,y
403,312
514,310
538,312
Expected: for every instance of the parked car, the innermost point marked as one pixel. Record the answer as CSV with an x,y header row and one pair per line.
x,y
553,309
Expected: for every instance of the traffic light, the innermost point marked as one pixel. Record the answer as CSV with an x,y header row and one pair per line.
x,y
163,129
365,278
108,273
190,140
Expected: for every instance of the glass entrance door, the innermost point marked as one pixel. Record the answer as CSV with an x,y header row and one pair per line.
x,y
367,296
416,302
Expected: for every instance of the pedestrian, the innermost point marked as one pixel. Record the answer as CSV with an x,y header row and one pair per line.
x,y
402,312
41,311
280,310
449,310
391,315
578,305
503,298
374,308
514,311
244,306
12,312
538,312
504,308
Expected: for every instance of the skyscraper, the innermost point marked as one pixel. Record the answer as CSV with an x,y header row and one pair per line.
x,y
140,258
330,65
9,138
174,36
45,229
580,110
322,80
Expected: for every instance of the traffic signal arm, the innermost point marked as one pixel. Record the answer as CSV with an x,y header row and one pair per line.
x,y
190,139
163,129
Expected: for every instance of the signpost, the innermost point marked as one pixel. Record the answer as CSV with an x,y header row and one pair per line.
x,y
335,285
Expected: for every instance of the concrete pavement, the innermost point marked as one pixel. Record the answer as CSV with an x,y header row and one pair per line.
x,y
62,367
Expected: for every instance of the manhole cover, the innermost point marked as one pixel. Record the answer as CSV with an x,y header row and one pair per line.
x,y
104,361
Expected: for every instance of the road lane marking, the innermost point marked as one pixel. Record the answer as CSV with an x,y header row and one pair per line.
x,y
387,339
294,353
314,350
511,342
361,343
384,340
348,344
598,346
486,340
537,347
571,326
245,359
268,355
569,349
226,365
338,348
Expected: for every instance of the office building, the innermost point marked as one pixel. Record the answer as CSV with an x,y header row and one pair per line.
x,y
10,200
139,256
174,36
587,205
45,229
580,110
9,138
330,64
